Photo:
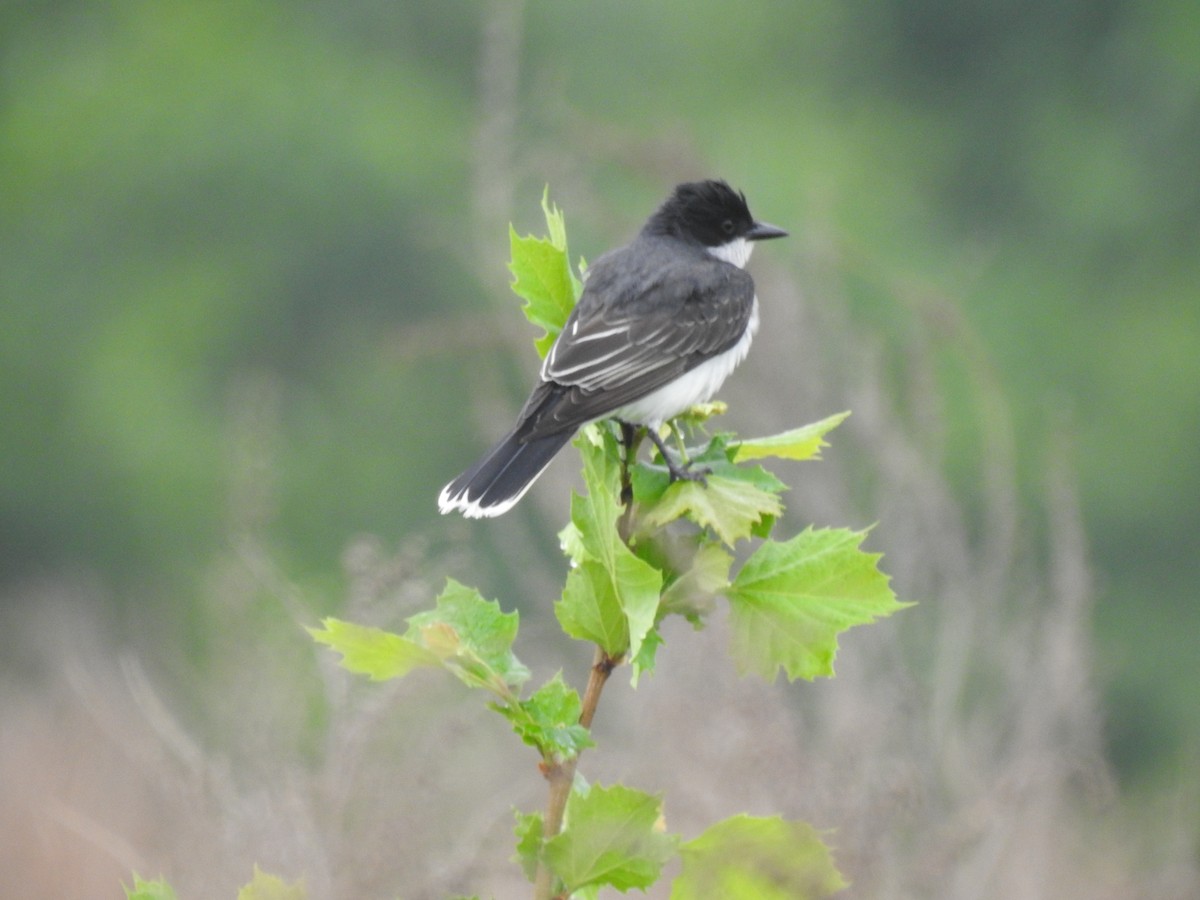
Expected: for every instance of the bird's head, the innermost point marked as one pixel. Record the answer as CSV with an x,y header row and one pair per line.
x,y
714,215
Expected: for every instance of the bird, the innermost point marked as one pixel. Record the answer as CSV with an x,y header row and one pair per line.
x,y
660,323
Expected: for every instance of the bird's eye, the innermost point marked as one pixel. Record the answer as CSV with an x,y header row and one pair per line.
x,y
727,226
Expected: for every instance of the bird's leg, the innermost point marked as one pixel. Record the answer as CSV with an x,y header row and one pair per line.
x,y
631,437
678,472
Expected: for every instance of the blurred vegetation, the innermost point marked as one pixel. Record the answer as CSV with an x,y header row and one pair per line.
x,y
287,208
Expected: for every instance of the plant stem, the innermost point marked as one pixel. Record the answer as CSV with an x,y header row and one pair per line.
x,y
561,775
602,667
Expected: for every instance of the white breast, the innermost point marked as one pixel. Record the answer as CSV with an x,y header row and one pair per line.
x,y
696,386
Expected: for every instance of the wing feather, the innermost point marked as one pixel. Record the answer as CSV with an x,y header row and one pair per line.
x,y
634,330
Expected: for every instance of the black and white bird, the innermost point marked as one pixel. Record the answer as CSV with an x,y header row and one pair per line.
x,y
660,324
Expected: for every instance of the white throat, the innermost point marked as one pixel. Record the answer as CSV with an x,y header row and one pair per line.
x,y
736,252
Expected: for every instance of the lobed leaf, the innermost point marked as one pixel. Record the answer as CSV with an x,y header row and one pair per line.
x,y
736,502
613,836
792,599
472,637
749,858
542,276
549,720
370,651
464,634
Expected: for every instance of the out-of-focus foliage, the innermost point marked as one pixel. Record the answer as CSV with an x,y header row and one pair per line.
x,y
193,196
244,225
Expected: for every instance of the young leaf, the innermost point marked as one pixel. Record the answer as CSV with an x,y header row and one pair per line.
x,y
799,443
611,596
373,652
693,593
529,842
700,413
549,720
791,599
595,514
612,837
590,609
747,858
269,887
733,501
149,890
473,638
542,276
464,634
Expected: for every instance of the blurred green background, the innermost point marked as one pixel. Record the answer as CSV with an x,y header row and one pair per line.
x,y
290,217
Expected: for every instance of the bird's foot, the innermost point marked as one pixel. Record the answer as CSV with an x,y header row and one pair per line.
x,y
685,472
679,471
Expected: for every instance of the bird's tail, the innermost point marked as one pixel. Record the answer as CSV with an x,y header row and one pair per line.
x,y
493,485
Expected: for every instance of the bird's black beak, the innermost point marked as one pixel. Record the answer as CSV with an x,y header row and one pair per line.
x,y
761,231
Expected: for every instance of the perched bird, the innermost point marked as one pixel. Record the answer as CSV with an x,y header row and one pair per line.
x,y
660,324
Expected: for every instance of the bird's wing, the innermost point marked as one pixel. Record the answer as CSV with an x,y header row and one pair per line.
x,y
621,344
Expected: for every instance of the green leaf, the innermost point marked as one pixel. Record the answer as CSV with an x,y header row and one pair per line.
x,y
549,720
529,842
542,276
747,858
734,501
611,596
269,887
149,890
700,413
570,541
465,634
791,599
373,652
644,661
473,637
595,514
590,609
613,836
695,569
693,594
799,443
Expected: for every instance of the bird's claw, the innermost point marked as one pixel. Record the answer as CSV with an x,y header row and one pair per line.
x,y
687,473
